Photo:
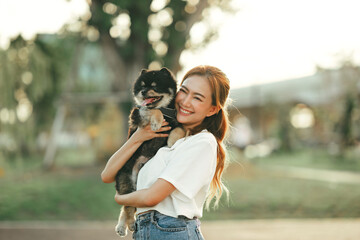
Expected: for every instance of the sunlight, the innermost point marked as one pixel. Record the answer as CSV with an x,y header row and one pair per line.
x,y
92,34
27,78
121,28
157,5
160,48
270,43
154,65
154,35
258,150
24,110
4,115
7,116
302,116
109,8
190,9
261,43
37,16
198,32
165,17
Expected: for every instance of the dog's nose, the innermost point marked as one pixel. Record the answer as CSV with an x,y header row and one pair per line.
x,y
143,92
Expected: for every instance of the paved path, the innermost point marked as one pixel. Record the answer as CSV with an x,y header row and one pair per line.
x,y
281,229
315,174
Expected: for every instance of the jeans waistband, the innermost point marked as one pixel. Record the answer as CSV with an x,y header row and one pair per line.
x,y
153,213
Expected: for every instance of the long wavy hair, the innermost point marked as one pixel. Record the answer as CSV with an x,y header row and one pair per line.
x,y
217,124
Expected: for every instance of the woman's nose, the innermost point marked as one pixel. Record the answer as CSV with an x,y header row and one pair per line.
x,y
186,100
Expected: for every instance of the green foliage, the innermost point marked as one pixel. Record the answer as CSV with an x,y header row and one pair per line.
x,y
78,194
137,48
47,197
31,75
34,74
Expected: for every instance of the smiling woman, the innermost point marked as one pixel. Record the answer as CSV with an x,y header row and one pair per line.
x,y
174,185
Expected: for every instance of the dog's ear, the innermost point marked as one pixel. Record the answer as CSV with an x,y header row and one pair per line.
x,y
165,70
143,71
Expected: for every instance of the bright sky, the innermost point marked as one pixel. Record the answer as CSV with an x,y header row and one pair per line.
x,y
266,41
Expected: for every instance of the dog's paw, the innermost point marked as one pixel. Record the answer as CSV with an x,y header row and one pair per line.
x,y
121,230
131,226
155,125
156,119
175,135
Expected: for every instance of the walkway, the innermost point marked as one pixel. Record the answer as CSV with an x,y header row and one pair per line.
x,y
281,229
315,174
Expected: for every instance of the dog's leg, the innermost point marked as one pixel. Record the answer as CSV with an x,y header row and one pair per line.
x,y
156,119
130,217
120,228
175,135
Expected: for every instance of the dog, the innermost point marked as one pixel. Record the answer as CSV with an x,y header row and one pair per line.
x,y
154,93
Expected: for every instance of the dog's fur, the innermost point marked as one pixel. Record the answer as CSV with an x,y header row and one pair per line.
x,y
152,90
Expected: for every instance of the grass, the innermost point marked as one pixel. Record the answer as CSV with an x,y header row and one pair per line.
x,y
269,197
77,193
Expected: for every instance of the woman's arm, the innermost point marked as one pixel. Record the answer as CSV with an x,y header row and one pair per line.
x,y
120,157
146,197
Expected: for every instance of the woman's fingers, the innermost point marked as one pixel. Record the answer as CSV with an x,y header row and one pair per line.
x,y
146,133
163,129
162,135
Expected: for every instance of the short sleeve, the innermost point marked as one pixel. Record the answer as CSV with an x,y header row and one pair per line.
x,y
193,164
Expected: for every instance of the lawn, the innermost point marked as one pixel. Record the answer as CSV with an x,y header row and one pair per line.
x,y
77,193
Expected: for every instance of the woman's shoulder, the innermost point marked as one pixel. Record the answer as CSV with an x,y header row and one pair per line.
x,y
204,136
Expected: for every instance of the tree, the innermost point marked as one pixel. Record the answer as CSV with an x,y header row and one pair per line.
x,y
343,111
350,75
132,35
31,74
136,34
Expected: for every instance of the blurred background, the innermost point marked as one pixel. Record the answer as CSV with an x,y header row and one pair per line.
x,y
66,70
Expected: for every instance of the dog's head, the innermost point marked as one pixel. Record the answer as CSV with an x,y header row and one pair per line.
x,y
155,89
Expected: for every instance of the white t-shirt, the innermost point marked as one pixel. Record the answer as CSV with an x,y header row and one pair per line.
x,y
190,166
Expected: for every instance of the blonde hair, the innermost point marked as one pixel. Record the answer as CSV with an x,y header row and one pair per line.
x,y
217,124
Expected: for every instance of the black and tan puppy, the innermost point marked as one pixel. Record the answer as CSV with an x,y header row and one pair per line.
x,y
154,92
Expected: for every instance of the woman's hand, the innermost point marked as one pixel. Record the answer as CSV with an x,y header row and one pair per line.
x,y
118,198
148,197
120,157
146,133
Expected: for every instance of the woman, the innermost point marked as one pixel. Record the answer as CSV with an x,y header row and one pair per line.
x,y
173,186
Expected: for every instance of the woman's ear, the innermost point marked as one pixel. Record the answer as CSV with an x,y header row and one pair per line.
x,y
213,110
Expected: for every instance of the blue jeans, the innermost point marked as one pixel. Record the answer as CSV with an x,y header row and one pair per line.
x,y
156,226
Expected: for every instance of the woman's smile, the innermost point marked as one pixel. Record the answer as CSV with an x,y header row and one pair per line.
x,y
184,111
194,102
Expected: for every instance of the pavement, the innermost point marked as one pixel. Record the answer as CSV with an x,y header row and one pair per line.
x,y
274,229
333,176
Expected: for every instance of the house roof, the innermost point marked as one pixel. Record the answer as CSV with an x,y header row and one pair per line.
x,y
320,88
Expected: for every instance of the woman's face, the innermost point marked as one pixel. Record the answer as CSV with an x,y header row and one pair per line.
x,y
193,101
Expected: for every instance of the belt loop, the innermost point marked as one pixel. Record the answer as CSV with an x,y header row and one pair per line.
x,y
152,214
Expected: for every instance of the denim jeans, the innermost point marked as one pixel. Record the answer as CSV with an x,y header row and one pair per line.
x,y
156,226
